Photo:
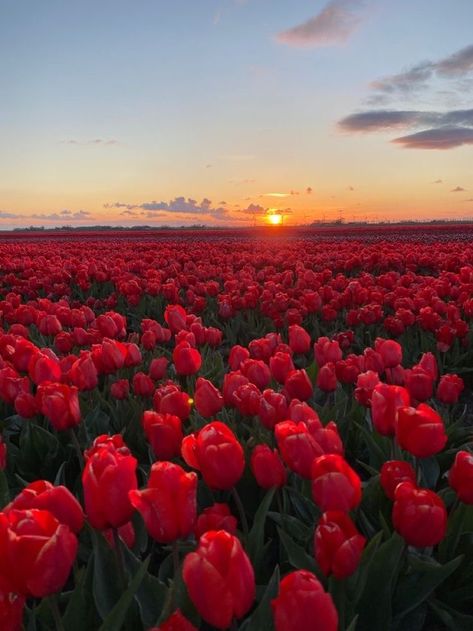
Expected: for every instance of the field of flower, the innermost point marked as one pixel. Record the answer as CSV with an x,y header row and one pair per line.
x,y
236,430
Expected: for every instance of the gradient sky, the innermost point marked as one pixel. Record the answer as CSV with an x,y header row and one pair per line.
x,y
218,111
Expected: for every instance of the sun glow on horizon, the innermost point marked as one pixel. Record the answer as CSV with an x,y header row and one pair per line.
x,y
275,219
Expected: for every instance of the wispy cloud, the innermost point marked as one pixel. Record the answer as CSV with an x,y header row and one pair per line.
x,y
453,66
276,194
95,141
458,189
8,215
61,216
439,181
334,25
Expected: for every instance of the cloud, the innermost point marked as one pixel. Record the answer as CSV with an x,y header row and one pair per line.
x,y
94,141
441,138
276,194
378,120
308,190
458,64
335,24
350,188
179,205
439,181
458,189
254,209
7,215
454,66
69,215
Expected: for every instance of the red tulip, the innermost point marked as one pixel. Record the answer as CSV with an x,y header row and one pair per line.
x,y
337,544
390,351
215,517
419,383
385,402
460,476
394,472
143,385
207,398
335,486
169,503
267,467
175,622
257,372
164,433
420,431
299,339
36,552
419,515
449,389
216,453
83,373
187,360
327,377
298,385
158,367
302,605
60,404
120,389
107,477
11,611
297,446
327,351
219,578
281,365
237,356
365,384
175,317
272,408
58,500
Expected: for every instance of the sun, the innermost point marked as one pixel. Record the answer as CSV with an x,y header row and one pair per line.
x,y
275,219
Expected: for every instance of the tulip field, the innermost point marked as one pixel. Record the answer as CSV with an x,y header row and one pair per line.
x,y
267,430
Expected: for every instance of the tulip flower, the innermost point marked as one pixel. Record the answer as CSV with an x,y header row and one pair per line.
x,y
107,478
58,500
419,515
208,400
303,605
36,552
60,404
175,622
460,476
187,360
420,431
164,433
219,578
385,402
169,503
335,485
216,517
394,472
299,339
216,453
267,467
337,544
297,446
298,385
449,389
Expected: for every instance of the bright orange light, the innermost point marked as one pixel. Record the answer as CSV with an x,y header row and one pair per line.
x,y
275,219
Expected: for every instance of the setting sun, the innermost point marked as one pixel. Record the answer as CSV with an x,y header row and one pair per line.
x,y
275,219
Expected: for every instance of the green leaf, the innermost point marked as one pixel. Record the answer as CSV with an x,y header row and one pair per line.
x,y
80,611
106,584
417,586
451,618
4,490
262,617
292,526
375,604
297,556
116,617
150,595
430,471
256,534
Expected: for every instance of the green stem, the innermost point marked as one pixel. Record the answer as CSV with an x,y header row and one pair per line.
x,y
120,559
175,564
52,602
241,511
77,447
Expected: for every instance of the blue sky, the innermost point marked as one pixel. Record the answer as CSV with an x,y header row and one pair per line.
x,y
130,103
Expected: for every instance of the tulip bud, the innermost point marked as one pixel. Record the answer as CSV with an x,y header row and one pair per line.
x,y
337,544
301,602
420,431
221,568
267,467
460,476
335,485
419,515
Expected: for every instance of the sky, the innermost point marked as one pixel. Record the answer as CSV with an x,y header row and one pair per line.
x,y
222,112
